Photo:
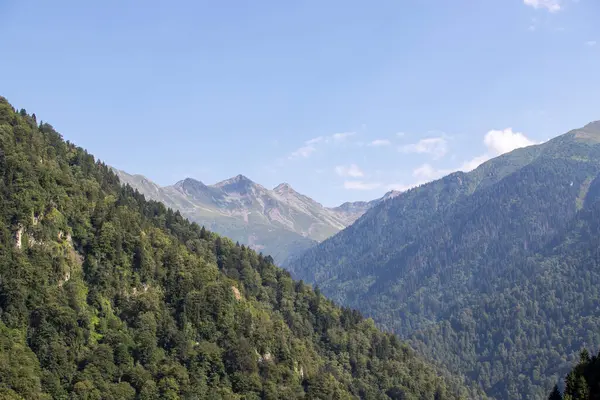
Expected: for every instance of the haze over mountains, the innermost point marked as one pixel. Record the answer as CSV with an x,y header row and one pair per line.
x,y
494,273
280,222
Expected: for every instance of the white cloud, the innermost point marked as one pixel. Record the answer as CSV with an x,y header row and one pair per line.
x,y
497,143
428,173
500,142
436,147
473,163
591,43
423,174
318,139
380,143
361,185
550,5
424,171
342,136
401,134
302,152
310,146
353,171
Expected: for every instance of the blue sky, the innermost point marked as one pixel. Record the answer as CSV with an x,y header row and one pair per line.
x,y
344,100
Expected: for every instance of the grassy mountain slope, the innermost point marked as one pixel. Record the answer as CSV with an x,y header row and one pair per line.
x,y
104,295
468,268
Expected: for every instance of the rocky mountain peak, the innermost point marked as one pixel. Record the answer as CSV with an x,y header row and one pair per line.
x,y
238,181
190,184
283,188
241,178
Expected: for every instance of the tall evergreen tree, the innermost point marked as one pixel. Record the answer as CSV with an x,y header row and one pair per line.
x,y
555,394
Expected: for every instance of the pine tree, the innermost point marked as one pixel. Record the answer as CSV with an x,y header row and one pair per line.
x,y
583,391
584,356
555,395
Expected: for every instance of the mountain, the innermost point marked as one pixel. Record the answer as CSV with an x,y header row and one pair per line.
x,y
219,212
493,273
280,222
351,211
104,294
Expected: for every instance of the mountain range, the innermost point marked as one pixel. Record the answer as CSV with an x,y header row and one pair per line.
x,y
493,273
280,222
107,295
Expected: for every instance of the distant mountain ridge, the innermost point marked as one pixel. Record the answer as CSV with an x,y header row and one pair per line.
x,y
280,222
352,210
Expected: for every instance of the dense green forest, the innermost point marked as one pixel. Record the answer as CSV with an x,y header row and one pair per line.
x,y
495,273
104,295
582,382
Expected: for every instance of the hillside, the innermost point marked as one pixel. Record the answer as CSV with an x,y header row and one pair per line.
x,y
493,273
106,295
280,222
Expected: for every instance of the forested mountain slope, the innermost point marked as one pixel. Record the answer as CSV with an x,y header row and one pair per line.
x,y
104,295
494,272
280,222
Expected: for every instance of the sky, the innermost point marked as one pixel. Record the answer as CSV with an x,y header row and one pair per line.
x,y
343,100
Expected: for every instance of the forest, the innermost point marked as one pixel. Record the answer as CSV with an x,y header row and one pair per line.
x,y
104,295
493,273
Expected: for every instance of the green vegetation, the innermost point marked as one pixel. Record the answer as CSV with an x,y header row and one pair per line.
x,y
493,273
104,295
583,382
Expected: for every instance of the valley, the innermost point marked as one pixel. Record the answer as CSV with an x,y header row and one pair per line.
x,y
313,200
